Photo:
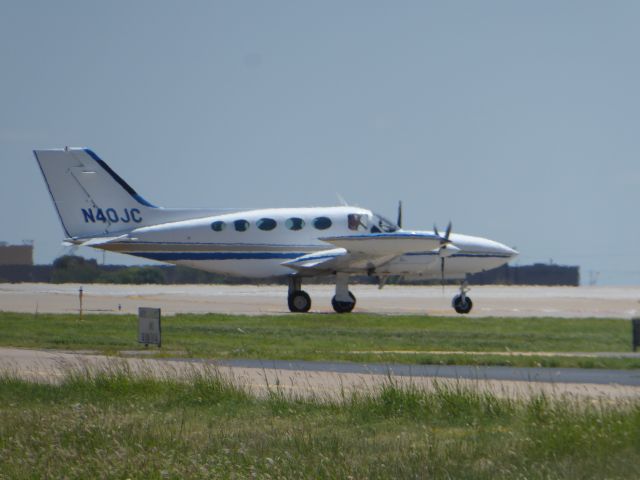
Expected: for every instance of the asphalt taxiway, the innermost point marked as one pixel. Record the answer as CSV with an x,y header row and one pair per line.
x,y
332,380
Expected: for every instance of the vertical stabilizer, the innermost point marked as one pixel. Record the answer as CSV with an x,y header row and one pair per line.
x,y
93,201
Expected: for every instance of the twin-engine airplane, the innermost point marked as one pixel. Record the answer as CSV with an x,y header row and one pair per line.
x,y
99,209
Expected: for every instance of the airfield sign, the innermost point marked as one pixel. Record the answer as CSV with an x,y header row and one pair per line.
x,y
149,330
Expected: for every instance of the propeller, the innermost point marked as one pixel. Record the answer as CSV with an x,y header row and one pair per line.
x,y
446,248
399,222
443,240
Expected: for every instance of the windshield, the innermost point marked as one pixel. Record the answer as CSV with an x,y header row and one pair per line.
x,y
379,224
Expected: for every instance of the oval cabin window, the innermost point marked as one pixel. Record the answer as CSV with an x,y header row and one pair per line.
x,y
241,225
266,224
294,223
322,223
218,226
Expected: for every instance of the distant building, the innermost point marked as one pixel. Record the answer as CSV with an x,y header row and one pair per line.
x,y
16,254
536,274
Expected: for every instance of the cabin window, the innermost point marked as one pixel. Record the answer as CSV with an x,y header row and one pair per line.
x,y
322,223
357,221
218,226
241,225
294,223
266,224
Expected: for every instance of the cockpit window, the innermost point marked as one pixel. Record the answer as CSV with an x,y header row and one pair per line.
x,y
322,223
294,223
241,225
266,224
382,225
357,221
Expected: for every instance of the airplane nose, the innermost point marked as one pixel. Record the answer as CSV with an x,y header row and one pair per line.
x,y
508,251
479,245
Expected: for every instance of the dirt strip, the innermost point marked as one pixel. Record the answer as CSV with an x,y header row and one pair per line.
x,y
48,366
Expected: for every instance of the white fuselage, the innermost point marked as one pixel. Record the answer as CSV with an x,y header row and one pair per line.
x,y
256,243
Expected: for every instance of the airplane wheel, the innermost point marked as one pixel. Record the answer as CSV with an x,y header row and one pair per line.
x,y
343,307
462,305
299,301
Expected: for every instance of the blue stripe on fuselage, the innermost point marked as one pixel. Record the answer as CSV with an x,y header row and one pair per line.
x,y
170,256
455,255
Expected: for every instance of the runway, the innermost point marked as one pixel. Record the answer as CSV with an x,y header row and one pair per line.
x,y
332,380
600,302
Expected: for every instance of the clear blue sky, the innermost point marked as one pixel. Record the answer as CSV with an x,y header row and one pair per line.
x,y
518,121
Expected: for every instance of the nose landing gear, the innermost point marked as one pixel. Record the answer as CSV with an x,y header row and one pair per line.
x,y
461,303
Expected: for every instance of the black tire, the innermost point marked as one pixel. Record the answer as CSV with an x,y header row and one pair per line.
x,y
299,302
343,307
462,306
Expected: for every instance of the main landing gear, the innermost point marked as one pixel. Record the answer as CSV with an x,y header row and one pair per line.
x,y
461,303
343,301
299,301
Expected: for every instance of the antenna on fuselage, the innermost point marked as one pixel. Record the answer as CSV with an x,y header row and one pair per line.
x,y
341,200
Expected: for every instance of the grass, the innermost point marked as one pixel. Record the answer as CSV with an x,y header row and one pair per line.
x,y
354,337
114,425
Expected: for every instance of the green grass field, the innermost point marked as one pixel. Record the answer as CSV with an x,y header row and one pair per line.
x,y
354,337
114,425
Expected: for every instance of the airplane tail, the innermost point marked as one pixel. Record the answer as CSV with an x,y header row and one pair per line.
x,y
93,201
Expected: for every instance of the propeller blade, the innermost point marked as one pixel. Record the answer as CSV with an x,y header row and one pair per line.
x,y
443,239
399,222
446,249
448,232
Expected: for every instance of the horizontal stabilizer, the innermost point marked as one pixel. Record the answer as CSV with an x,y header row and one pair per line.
x,y
96,242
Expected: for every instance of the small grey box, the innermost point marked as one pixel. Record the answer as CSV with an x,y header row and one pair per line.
x,y
635,333
149,328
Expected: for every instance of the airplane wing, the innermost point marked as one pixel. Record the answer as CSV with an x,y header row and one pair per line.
x,y
396,243
362,253
336,260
